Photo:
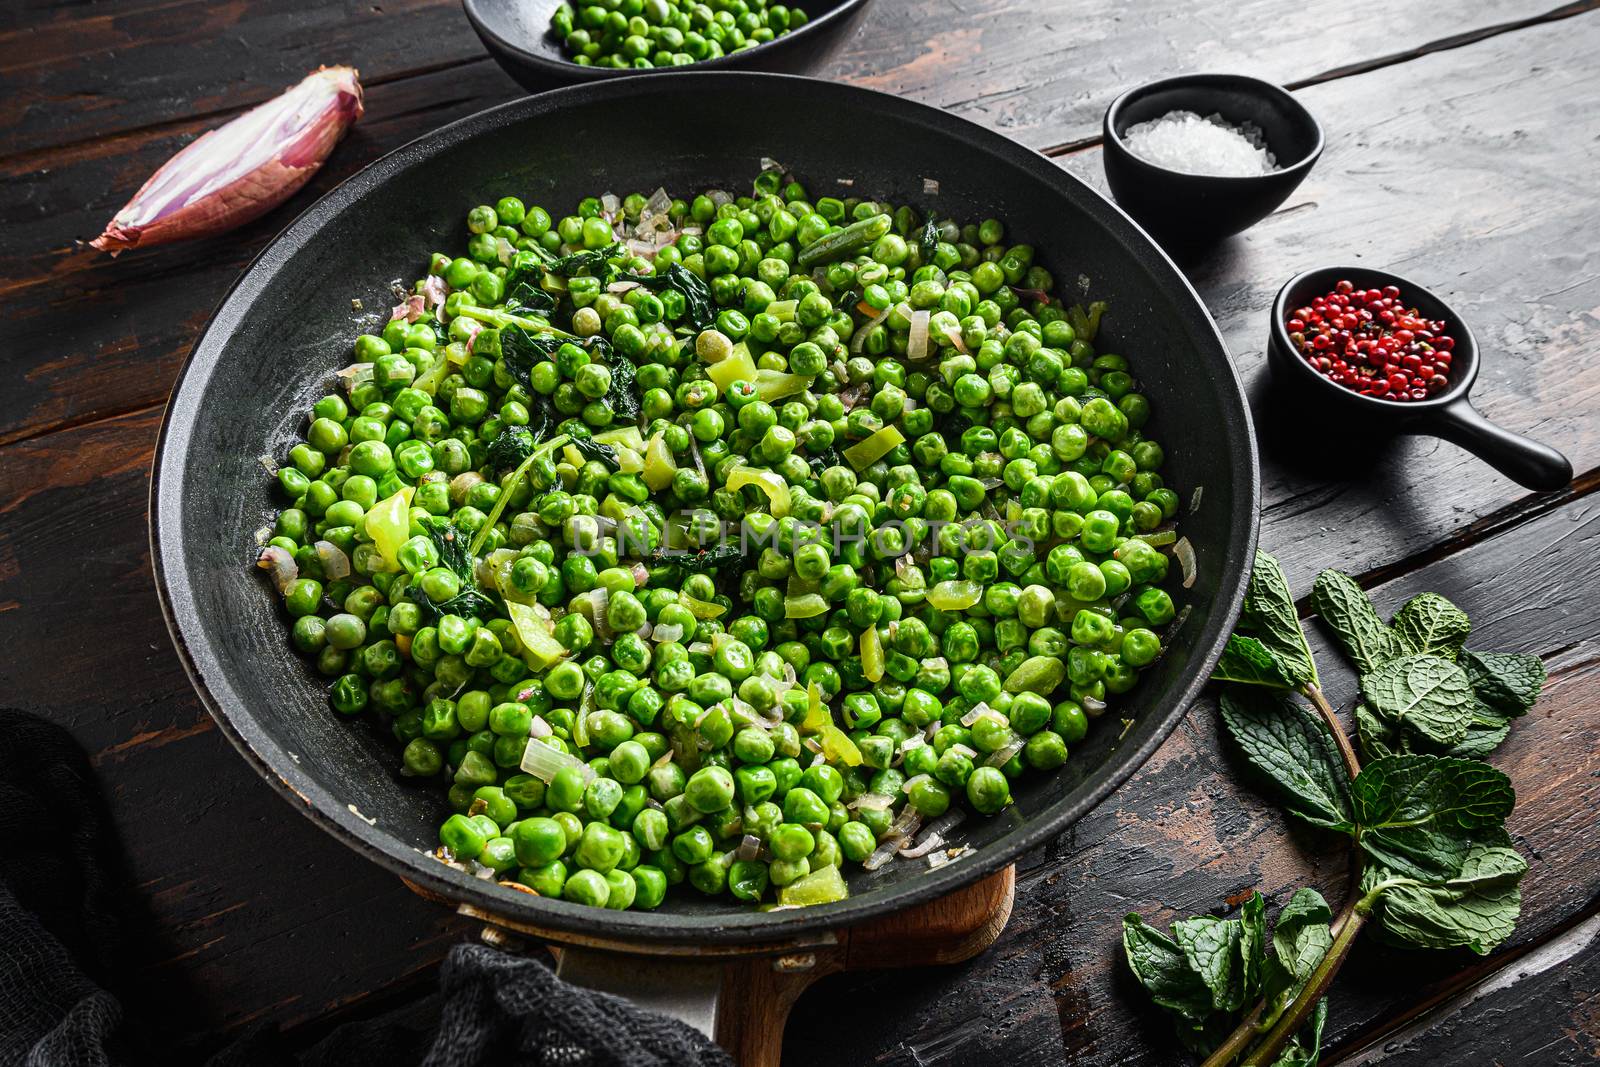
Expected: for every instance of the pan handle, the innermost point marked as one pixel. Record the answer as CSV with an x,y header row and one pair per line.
x,y
685,989
1522,459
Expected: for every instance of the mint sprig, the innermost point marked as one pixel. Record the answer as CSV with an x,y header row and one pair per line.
x,y
1433,865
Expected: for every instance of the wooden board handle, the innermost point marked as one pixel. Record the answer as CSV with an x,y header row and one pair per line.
x,y
757,994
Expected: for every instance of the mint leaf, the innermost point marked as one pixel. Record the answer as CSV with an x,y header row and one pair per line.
x,y
1161,968
1253,944
1428,624
1301,938
1378,738
1247,662
1211,947
1421,815
1289,744
1355,623
1423,693
1477,909
1270,616
1484,733
1305,1048
1509,682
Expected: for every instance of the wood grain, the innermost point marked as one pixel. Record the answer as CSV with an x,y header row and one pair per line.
x,y
1185,836
1033,68
1515,249
148,307
247,913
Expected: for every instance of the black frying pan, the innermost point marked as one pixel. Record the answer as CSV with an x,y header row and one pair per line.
x,y
273,345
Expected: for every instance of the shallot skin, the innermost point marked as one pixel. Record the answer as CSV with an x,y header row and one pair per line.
x,y
238,172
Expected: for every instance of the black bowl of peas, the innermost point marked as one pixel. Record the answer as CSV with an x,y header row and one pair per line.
x,y
547,43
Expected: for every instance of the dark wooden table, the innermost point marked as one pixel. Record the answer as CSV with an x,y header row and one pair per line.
x,y
1463,148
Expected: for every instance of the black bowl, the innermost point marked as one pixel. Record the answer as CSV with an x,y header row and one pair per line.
x,y
272,347
1194,209
517,34
1448,414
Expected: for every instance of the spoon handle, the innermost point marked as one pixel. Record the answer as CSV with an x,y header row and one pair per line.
x,y
1522,459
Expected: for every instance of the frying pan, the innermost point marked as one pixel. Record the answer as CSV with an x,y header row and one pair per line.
x,y
272,346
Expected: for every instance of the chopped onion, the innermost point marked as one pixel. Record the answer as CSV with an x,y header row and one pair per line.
x,y
660,203
977,712
914,741
544,762
917,342
694,454
354,375
504,251
1002,755
871,802
335,564
700,647
935,861
860,336
930,187
268,464
667,631
539,728
280,564
434,290
410,309
1093,707
623,287
963,750
955,338
718,197
242,169
903,828
1185,553
609,204
914,781
768,163
749,848
662,760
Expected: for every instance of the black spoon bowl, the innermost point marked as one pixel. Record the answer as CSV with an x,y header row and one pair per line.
x,y
517,34
1185,209
1449,414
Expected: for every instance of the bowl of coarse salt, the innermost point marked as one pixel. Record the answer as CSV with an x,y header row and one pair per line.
x,y
1202,156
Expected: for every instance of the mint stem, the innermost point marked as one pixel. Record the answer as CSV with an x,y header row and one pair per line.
x,y
1316,987
1352,765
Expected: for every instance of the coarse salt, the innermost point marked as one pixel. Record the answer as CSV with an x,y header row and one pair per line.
x,y
1183,141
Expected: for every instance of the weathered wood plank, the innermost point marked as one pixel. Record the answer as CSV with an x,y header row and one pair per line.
x,y
1557,984
100,336
1515,248
249,911
1030,67
1185,835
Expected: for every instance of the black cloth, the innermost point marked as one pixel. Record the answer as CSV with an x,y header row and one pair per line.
x,y
66,935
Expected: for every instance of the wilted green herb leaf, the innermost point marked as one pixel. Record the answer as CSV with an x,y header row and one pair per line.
x,y
1211,947
1270,616
1289,744
700,311
1160,966
623,396
1246,661
1508,682
510,447
1420,815
1423,693
1355,623
1428,624
1253,945
1301,937
527,297
930,239
1477,909
1305,1049
594,261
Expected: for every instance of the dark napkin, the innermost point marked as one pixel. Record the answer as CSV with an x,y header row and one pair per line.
x,y
67,933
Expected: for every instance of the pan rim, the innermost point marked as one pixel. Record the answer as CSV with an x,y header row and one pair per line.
x,y
271,760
